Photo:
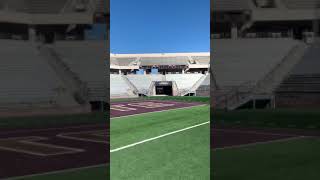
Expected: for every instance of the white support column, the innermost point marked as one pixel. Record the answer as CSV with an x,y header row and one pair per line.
x,y
234,31
32,34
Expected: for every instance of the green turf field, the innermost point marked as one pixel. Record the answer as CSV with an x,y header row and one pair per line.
x,y
294,159
184,155
270,118
291,160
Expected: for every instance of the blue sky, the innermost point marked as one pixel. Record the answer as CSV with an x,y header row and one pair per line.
x,y
159,26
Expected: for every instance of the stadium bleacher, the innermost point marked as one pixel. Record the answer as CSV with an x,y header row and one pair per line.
x,y
179,60
186,72
143,82
201,59
233,65
184,81
231,5
119,87
52,7
257,44
205,88
38,70
206,81
88,63
301,4
123,61
35,6
30,80
301,87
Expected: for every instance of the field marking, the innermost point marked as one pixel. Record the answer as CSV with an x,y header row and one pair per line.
x,y
121,107
31,140
259,143
157,137
188,107
54,172
150,105
100,133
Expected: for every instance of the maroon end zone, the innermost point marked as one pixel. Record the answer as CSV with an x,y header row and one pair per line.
x,y
228,137
224,138
138,107
38,151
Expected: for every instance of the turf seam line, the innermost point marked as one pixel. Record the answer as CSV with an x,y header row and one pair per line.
x,y
157,137
259,143
158,111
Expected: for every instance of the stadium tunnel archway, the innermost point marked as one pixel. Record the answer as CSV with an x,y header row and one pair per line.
x,y
99,106
164,88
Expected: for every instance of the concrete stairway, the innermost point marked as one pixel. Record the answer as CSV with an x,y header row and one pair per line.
x,y
76,88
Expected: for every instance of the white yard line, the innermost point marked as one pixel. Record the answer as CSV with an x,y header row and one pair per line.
x,y
157,137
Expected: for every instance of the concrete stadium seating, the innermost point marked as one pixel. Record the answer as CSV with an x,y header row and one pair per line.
x,y
165,59
301,83
202,59
36,6
179,60
204,88
25,78
113,61
310,63
184,81
122,61
301,4
50,6
229,5
119,87
87,59
143,82
301,87
206,81
247,60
